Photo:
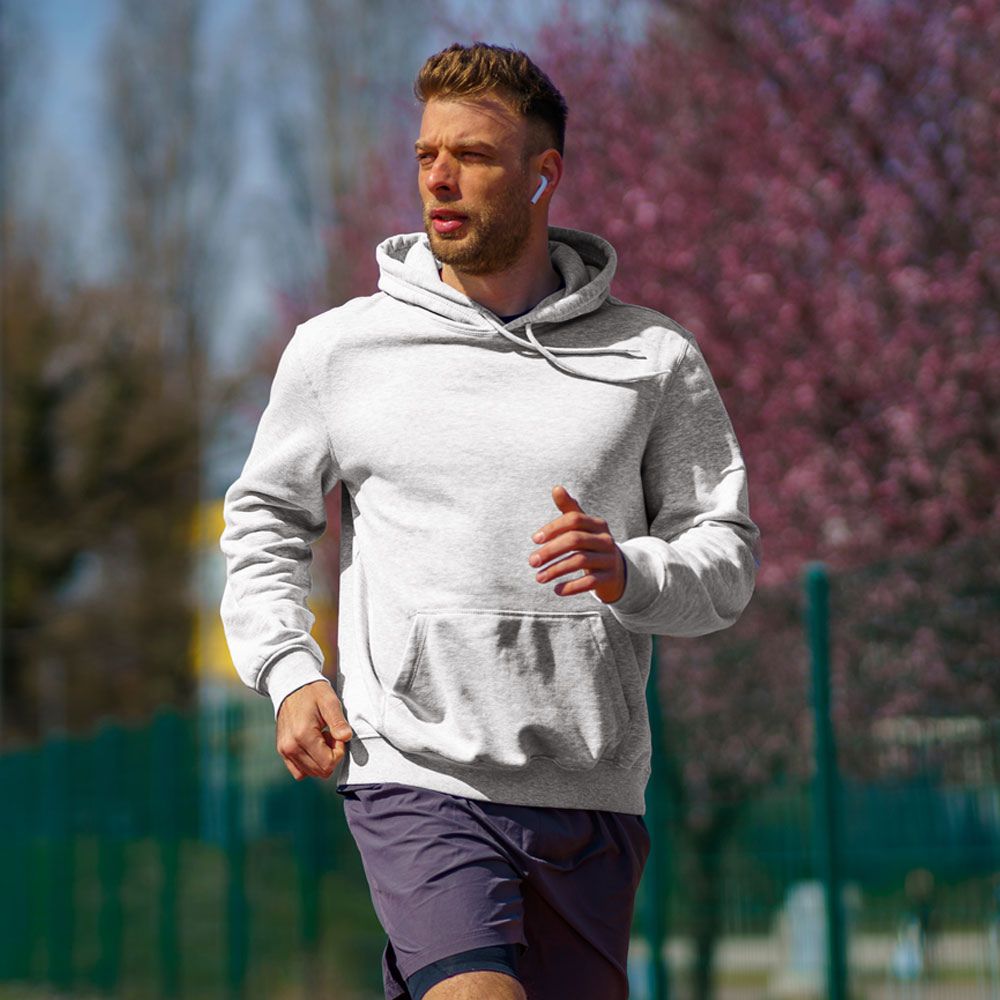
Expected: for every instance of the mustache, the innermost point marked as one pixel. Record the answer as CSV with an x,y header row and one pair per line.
x,y
441,208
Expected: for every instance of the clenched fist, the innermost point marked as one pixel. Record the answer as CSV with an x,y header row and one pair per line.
x,y
312,731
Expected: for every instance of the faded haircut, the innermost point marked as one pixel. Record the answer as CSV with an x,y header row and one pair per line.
x,y
468,71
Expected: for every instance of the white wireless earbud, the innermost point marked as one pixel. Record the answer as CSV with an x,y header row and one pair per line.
x,y
541,188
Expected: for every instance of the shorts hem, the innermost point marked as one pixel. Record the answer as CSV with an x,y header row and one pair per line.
x,y
486,966
455,947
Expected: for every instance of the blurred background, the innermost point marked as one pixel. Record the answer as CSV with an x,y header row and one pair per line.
x,y
809,187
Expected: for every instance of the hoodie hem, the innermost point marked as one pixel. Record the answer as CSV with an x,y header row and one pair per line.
x,y
540,782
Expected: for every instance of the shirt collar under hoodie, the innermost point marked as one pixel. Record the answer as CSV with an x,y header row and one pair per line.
x,y
409,272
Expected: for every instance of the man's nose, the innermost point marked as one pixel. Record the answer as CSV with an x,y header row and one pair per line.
x,y
441,176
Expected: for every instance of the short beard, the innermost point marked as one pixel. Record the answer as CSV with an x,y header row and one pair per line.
x,y
495,239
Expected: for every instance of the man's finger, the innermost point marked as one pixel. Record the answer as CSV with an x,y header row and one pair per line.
x,y
571,521
310,759
569,541
578,585
597,563
564,500
332,713
309,753
332,753
572,514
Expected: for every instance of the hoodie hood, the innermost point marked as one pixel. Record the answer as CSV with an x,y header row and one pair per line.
x,y
409,272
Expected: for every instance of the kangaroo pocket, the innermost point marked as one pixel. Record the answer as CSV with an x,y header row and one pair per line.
x,y
506,687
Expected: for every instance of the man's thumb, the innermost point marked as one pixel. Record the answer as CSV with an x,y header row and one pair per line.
x,y
565,500
334,718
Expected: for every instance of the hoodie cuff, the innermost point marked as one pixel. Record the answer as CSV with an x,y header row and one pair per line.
x,y
642,579
292,671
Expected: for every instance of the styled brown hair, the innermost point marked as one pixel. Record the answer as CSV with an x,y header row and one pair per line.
x,y
471,70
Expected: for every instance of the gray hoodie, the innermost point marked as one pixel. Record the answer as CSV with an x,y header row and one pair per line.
x,y
458,671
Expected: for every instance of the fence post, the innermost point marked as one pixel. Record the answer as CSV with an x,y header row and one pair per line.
x,y
236,901
655,877
18,791
827,784
167,762
57,812
308,845
109,754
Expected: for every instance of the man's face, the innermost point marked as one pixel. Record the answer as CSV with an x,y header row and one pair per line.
x,y
469,158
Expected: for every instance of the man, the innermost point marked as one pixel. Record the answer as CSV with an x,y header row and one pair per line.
x,y
490,730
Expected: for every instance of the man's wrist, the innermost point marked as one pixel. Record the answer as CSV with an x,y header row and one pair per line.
x,y
289,673
624,565
640,588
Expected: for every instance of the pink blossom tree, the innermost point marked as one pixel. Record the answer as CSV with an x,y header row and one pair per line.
x,y
814,196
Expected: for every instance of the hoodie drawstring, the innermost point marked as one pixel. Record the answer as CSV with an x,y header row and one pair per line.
x,y
549,352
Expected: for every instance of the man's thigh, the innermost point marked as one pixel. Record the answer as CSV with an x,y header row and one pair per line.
x,y
477,986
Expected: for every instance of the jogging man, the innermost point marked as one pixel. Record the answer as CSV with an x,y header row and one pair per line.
x,y
500,423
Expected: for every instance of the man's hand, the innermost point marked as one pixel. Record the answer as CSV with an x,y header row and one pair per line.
x,y
312,730
591,546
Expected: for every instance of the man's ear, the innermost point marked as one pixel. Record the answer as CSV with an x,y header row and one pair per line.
x,y
550,167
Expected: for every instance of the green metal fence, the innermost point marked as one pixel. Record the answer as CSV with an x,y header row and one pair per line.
x,y
179,859
865,862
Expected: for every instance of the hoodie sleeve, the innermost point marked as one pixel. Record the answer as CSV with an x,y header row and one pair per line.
x,y
273,513
694,572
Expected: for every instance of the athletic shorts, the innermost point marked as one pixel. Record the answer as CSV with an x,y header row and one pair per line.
x,y
458,884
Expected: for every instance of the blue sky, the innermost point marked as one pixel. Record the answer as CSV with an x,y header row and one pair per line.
x,y
69,180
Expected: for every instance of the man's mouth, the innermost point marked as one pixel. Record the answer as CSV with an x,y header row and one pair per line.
x,y
447,222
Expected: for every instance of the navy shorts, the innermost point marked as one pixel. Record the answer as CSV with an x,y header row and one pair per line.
x,y
459,884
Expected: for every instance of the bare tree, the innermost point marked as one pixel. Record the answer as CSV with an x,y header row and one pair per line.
x,y
333,80
107,393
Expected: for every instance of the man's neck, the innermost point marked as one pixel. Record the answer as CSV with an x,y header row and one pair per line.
x,y
512,291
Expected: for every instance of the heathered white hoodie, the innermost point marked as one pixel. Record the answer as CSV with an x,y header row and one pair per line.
x,y
458,671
